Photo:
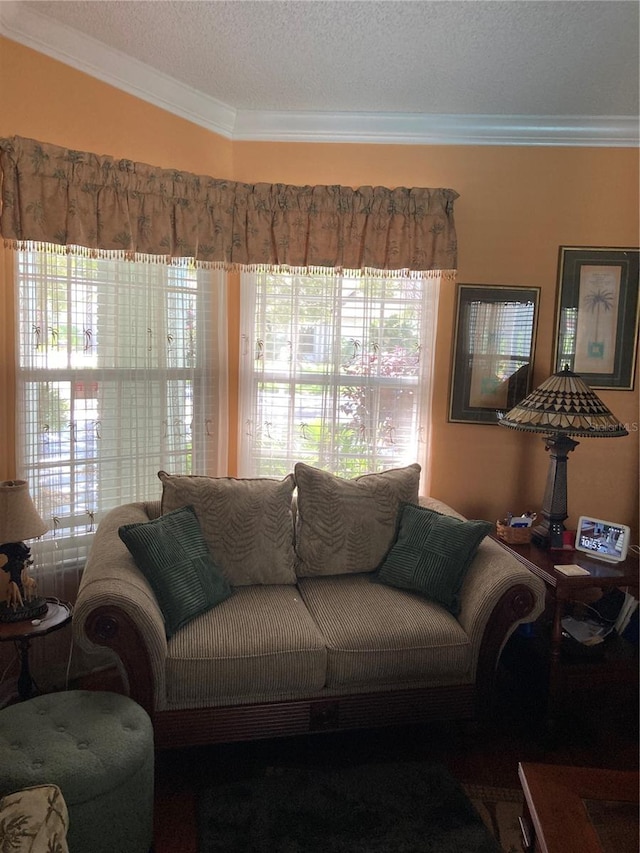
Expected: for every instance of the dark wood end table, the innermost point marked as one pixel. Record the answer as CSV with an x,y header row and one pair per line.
x,y
562,589
579,809
22,633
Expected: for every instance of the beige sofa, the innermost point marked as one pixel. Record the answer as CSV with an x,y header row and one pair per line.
x,y
310,634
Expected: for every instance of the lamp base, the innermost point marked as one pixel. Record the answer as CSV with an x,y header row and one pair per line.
x,y
548,534
24,612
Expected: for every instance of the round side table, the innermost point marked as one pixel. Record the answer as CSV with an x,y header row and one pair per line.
x,y
22,633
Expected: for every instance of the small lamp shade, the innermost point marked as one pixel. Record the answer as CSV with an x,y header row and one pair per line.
x,y
19,519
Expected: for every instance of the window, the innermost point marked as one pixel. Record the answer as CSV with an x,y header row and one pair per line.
x,y
118,376
335,371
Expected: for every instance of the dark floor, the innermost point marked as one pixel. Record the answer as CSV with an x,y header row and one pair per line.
x,y
598,729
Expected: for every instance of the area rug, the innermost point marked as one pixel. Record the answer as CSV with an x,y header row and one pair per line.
x,y
408,807
500,809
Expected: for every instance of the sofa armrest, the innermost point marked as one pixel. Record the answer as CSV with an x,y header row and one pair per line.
x,y
117,608
498,594
493,574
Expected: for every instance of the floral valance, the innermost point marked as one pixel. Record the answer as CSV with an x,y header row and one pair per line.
x,y
72,198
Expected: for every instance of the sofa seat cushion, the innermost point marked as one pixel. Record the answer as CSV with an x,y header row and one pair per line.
x,y
262,640
377,634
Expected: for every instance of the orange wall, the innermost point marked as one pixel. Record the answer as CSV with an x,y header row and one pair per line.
x,y
46,100
517,205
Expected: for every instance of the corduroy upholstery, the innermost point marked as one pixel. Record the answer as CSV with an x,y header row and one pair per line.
x,y
260,641
377,635
97,747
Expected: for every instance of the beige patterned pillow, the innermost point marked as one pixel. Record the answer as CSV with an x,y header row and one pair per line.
x,y
34,820
246,523
347,526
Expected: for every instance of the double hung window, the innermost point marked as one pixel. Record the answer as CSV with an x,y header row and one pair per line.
x,y
335,371
117,377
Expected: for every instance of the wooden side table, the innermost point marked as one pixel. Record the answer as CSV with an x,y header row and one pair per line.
x,y
578,809
562,589
22,633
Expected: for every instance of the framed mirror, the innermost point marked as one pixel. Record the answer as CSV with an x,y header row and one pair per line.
x,y
493,348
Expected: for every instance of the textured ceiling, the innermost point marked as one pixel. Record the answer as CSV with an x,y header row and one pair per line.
x,y
539,58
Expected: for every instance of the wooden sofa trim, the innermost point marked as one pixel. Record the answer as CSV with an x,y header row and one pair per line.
x,y
111,627
307,716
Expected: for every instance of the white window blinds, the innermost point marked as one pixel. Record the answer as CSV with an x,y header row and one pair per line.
x,y
120,374
335,371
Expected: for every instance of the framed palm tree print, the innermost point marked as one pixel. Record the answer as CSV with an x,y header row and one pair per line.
x,y
597,315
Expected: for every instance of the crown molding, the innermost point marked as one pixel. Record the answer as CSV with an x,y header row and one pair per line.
x,y
86,54
415,129
19,23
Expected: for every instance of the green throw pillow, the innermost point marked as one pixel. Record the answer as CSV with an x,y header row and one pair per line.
x,y
431,554
171,553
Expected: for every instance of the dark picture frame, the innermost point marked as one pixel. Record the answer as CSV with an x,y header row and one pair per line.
x,y
493,350
596,319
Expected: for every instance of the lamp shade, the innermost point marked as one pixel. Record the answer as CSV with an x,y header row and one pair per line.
x,y
564,403
19,519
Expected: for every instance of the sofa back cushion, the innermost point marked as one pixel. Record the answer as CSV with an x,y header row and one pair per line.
x,y
246,523
347,526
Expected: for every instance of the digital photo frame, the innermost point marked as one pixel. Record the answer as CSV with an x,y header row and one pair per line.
x,y
605,540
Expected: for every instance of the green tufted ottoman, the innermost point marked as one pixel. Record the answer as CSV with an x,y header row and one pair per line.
x,y
98,749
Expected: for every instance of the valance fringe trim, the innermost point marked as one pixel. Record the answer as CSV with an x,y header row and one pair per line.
x,y
192,263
